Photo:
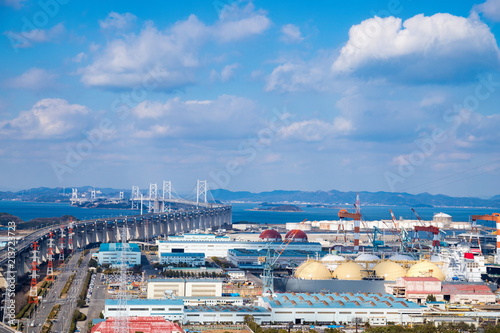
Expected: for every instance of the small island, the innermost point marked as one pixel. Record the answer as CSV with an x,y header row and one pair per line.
x,y
279,208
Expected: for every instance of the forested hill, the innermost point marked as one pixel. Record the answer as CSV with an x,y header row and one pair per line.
x,y
334,197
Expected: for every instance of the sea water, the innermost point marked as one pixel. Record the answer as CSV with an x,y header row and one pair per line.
x,y
244,212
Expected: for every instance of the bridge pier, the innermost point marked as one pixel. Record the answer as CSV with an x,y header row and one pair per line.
x,y
107,231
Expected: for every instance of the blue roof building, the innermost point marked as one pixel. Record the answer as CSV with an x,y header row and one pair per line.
x,y
113,254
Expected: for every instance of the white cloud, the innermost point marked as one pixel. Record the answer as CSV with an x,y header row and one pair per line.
x,y
26,39
50,118
292,77
34,79
316,130
436,48
225,74
490,9
226,116
291,33
79,57
118,21
171,56
236,23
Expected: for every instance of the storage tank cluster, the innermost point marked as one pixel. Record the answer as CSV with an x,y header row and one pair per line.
x,y
337,267
272,235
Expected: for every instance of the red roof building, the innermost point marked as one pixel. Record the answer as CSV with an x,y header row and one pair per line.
x,y
468,293
417,289
139,324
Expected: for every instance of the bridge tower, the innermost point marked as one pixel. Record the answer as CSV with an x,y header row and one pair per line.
x,y
70,235
136,195
61,246
153,196
166,195
50,257
121,195
92,194
33,294
201,191
74,195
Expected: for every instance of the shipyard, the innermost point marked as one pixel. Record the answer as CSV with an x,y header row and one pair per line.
x,y
250,166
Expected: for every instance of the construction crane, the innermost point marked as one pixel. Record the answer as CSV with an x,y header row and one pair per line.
x,y
436,240
343,213
376,241
495,217
270,260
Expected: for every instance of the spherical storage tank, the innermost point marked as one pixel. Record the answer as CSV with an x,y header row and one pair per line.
x,y
296,235
367,257
348,271
389,270
331,261
312,270
270,235
402,257
426,269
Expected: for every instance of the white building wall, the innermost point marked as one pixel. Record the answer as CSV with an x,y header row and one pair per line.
x,y
169,312
219,249
156,289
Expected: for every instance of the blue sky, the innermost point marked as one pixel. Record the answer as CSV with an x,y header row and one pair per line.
x,y
394,95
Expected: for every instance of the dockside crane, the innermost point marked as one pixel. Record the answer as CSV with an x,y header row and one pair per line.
x,y
343,213
495,217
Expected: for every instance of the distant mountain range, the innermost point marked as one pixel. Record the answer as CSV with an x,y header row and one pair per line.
x,y
333,197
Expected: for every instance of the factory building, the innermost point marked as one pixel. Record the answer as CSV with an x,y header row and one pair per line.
x,y
377,309
190,259
139,324
417,289
169,309
226,313
111,253
289,258
161,288
218,246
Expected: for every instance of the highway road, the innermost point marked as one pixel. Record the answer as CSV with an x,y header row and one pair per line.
x,y
68,305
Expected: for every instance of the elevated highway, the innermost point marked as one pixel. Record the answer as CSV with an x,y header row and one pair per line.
x,y
79,234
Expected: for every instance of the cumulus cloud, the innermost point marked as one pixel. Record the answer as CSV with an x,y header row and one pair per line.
x,y
118,21
126,62
50,118
490,9
436,48
291,33
26,39
316,130
36,79
226,116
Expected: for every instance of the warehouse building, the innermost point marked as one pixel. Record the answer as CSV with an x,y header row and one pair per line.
x,y
417,289
111,253
225,313
245,258
218,246
169,309
161,288
190,259
139,324
321,308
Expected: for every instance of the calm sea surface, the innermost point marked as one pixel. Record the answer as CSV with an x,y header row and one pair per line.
x,y
241,212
